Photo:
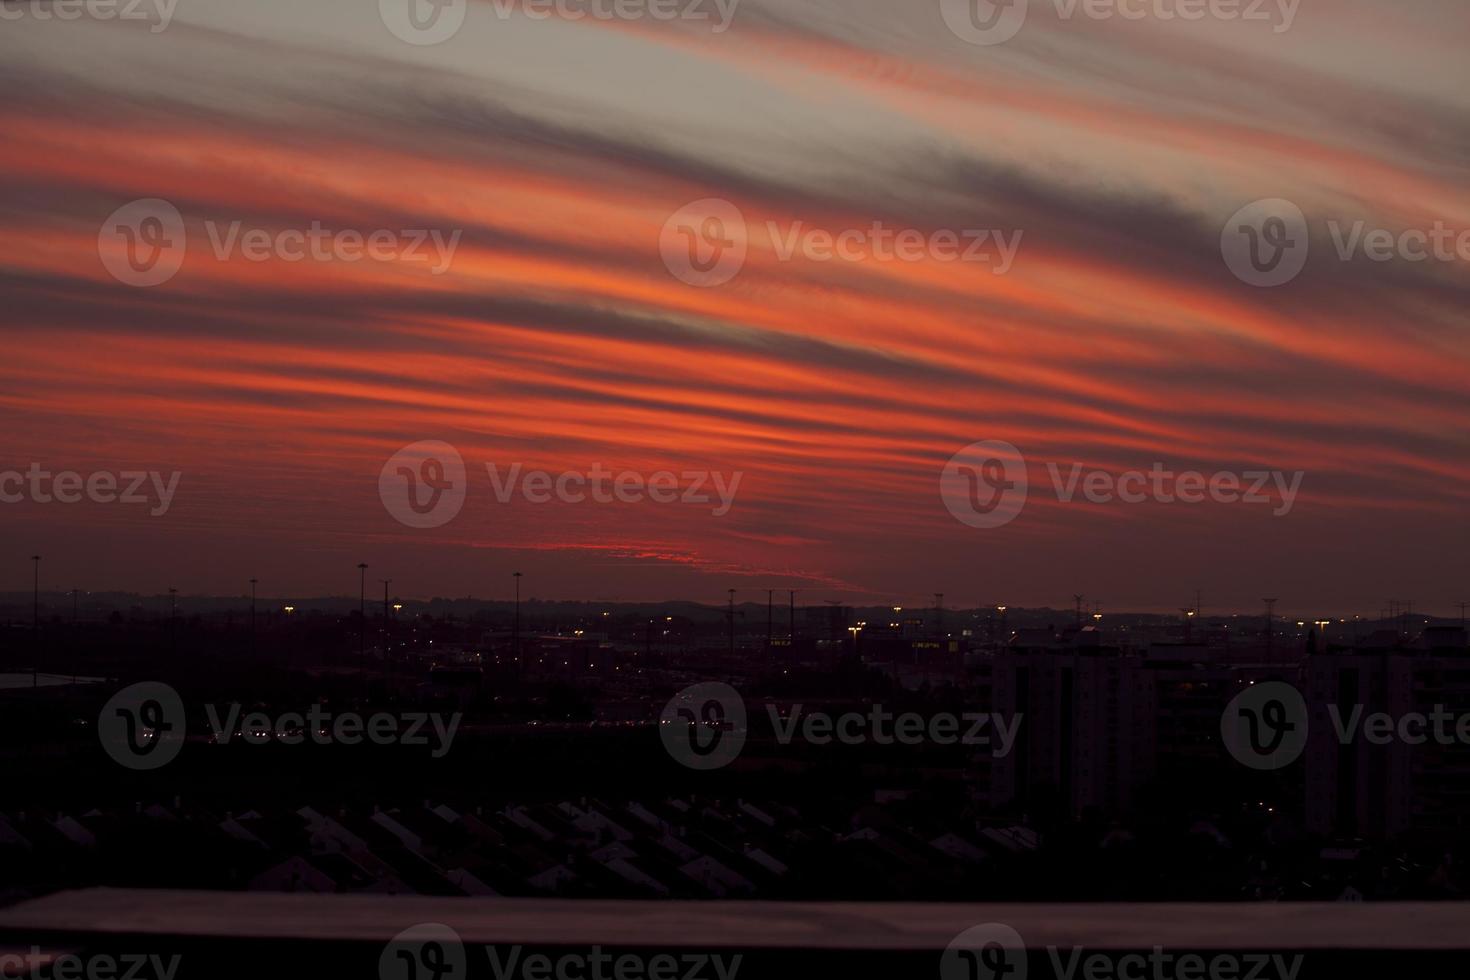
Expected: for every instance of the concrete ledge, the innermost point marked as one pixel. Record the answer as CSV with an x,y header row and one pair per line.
x,y
235,934
898,926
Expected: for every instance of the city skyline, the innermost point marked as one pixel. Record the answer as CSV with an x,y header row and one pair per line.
x,y
781,601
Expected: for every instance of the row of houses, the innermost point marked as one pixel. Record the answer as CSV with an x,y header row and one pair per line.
x,y
686,848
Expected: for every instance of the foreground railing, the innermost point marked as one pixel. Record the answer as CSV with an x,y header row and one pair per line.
x,y
105,934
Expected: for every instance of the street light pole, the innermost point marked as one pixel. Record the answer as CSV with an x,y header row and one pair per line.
x,y
36,620
791,626
770,618
515,636
74,636
362,616
385,616
387,651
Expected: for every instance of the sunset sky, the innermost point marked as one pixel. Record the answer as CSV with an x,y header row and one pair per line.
x,y
558,338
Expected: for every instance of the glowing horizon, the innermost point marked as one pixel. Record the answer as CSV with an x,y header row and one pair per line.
x,y
557,338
